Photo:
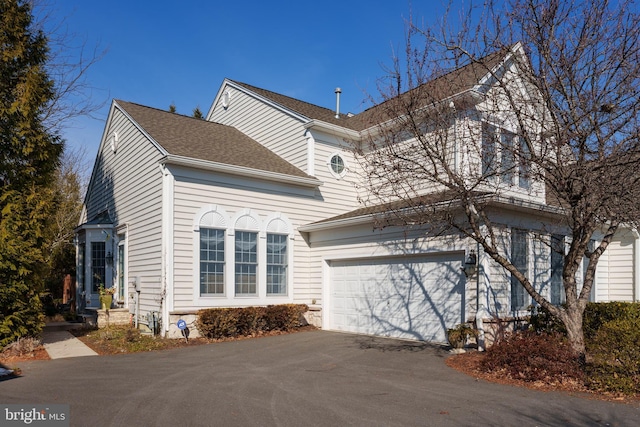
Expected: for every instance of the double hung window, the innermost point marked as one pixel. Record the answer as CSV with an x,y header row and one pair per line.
x,y
520,260
246,262
277,260
557,295
211,261
504,156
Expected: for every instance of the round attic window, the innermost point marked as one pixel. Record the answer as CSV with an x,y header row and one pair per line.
x,y
337,165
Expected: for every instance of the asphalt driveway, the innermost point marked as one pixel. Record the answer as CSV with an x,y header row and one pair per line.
x,y
315,378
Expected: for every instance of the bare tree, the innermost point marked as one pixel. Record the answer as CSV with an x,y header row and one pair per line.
x,y
523,103
68,65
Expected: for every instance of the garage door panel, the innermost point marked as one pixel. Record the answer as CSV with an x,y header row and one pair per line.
x,y
416,298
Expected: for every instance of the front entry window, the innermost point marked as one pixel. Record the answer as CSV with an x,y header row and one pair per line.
x,y
98,265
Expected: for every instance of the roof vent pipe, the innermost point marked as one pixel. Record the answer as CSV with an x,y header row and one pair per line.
x,y
338,92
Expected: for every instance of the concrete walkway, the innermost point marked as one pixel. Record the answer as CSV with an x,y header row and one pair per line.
x,y
60,343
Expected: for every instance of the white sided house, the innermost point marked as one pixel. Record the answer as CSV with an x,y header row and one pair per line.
x,y
257,205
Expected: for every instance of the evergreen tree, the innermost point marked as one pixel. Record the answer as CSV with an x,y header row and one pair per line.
x,y
29,156
197,113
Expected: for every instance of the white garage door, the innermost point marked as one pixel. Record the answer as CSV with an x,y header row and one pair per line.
x,y
415,298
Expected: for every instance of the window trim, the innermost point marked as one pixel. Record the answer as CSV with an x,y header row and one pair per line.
x,y
243,220
209,216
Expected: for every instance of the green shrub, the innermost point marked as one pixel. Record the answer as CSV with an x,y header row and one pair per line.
x,y
232,322
532,356
542,321
597,314
615,353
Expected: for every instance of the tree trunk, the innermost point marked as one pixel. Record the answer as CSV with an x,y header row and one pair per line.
x,y
572,320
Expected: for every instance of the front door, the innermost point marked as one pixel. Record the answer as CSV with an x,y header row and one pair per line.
x,y
99,270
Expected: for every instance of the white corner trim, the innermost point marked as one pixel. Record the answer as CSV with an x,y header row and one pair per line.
x,y
311,153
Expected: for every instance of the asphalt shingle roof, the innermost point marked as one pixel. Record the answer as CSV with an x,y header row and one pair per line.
x,y
200,139
442,87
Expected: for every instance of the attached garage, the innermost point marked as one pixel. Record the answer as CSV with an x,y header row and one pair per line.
x,y
404,297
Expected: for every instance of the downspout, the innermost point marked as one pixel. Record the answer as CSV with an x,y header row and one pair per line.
x,y
167,290
480,309
636,265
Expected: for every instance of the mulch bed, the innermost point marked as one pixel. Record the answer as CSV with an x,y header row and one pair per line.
x,y
469,364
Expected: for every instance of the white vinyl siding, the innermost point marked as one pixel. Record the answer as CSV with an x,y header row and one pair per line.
x,y
128,183
276,130
616,271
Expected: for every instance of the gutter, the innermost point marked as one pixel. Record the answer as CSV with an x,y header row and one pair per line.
x,y
346,222
333,129
170,159
508,203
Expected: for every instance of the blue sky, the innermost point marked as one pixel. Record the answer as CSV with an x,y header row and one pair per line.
x,y
162,52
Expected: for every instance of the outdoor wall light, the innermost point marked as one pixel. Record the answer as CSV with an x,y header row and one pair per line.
x,y
109,258
471,264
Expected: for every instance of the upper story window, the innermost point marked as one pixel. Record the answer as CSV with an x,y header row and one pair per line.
x,y
337,165
504,156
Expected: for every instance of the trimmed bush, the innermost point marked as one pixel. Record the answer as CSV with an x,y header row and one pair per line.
x,y
285,317
247,321
615,354
251,320
597,314
218,323
531,356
